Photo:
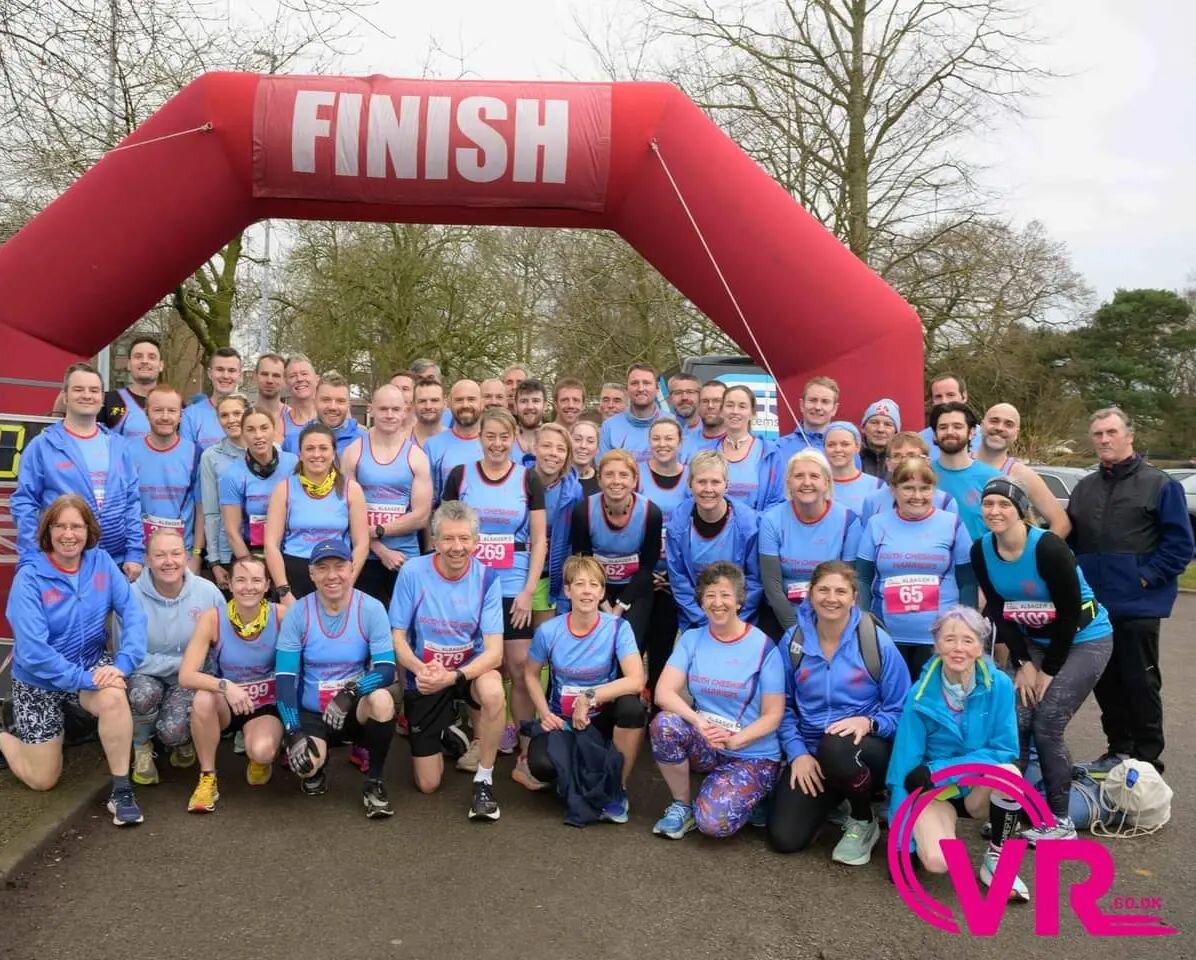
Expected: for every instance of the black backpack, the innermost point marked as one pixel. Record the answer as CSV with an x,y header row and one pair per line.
x,y
869,646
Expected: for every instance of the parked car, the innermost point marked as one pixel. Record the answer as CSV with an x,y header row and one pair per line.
x,y
1189,485
1059,480
1180,473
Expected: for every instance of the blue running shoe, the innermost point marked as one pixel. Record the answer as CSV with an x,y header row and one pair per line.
x,y
123,807
678,820
617,812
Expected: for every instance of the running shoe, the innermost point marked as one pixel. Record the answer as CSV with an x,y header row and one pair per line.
x,y
258,774
678,820
510,739
840,815
1063,829
183,756
988,867
617,812
123,807
855,846
316,785
375,801
468,761
454,742
1099,769
523,776
239,743
360,758
145,771
204,797
484,806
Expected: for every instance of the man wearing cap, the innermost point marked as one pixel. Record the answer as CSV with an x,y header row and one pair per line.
x,y
998,432
333,663
881,421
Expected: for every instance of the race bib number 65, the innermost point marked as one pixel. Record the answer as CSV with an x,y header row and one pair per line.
x,y
916,593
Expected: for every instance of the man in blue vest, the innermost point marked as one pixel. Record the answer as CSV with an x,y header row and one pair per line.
x,y
629,430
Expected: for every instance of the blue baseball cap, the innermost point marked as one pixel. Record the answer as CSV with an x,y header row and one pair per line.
x,y
331,549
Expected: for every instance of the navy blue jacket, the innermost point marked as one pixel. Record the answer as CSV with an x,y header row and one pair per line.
x,y
1130,524
589,771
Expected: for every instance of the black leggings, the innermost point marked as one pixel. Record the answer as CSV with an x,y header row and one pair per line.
x,y
627,713
849,773
662,634
638,616
916,656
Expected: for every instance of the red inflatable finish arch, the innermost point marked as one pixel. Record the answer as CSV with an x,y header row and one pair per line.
x,y
231,149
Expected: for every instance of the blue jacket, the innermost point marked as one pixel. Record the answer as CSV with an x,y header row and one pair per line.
x,y
929,734
58,620
821,692
1130,524
589,771
683,572
52,465
559,525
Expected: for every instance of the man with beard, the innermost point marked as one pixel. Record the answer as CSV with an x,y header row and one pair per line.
x,y
958,474
530,401
998,433
394,476
494,393
332,410
683,396
568,401
124,409
881,422
459,443
301,396
710,412
629,430
947,388
429,410
201,425
269,375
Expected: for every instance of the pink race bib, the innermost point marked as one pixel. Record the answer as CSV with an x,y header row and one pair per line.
x,y
1030,613
619,569
257,529
914,593
261,692
448,657
797,590
150,524
330,688
383,513
496,550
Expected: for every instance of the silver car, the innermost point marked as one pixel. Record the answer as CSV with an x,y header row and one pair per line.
x,y
1060,480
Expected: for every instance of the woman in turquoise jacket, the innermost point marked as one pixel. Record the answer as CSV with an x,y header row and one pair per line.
x,y
960,711
58,609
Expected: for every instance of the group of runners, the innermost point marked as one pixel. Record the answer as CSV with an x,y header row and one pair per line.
x,y
807,624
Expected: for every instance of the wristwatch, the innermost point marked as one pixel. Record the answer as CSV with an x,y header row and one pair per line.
x,y
379,531
590,694
623,605
283,589
222,686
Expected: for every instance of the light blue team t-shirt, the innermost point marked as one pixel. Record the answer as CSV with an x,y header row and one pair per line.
x,y
728,680
446,619
965,487
578,662
97,455
915,569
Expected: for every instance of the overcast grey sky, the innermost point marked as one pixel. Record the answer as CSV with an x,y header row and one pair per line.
x,y
1104,159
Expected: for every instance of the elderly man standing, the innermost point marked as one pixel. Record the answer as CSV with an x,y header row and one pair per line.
x,y
1132,538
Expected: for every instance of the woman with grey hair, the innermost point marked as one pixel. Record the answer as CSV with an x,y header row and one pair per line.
x,y
960,711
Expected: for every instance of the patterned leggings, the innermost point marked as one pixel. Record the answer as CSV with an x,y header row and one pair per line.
x,y
734,786
162,708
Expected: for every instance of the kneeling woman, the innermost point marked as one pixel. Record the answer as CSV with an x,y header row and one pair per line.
x,y
846,687
239,642
960,710
596,677
58,609
736,678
